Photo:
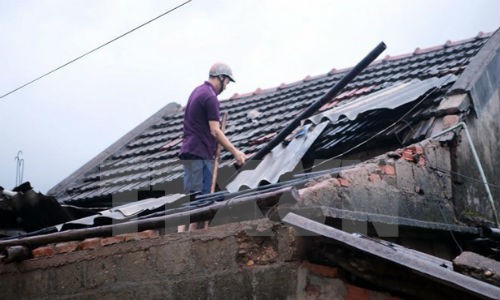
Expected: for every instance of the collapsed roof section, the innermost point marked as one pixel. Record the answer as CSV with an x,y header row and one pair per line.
x,y
284,158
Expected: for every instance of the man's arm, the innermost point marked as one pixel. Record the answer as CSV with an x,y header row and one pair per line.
x,y
224,141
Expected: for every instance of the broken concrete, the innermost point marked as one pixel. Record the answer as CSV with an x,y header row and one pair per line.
x,y
388,185
478,266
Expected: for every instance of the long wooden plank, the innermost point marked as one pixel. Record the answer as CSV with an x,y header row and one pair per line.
x,y
409,260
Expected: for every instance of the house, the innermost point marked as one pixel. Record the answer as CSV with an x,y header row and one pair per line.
x,y
145,160
393,178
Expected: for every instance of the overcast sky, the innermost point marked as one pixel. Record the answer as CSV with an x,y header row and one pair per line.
x,y
70,116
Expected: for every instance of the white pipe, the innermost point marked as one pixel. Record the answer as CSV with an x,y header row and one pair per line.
x,y
478,163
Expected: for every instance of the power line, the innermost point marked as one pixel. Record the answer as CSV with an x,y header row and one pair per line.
x,y
93,50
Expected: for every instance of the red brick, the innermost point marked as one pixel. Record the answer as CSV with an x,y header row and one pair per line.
x,y
149,234
43,251
66,247
408,154
321,270
388,169
91,243
112,240
343,182
334,182
133,236
146,234
357,293
374,177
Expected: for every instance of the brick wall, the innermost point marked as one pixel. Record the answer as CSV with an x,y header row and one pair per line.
x,y
249,260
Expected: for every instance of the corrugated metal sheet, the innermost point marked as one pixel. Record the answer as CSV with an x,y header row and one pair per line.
x,y
284,159
126,211
280,160
390,98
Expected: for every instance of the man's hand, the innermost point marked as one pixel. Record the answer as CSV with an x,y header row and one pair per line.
x,y
222,139
240,157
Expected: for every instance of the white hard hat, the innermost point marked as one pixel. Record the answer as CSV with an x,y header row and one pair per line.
x,y
221,69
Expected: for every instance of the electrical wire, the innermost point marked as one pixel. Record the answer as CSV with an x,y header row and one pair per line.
x,y
94,50
450,172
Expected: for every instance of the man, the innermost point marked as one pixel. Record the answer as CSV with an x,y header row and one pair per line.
x,y
202,132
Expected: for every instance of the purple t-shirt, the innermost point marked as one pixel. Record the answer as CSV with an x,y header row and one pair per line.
x,y
202,106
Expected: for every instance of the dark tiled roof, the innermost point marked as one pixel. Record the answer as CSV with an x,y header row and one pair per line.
x,y
149,158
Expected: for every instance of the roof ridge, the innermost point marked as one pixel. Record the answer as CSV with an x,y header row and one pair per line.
x,y
447,44
334,71
283,85
257,91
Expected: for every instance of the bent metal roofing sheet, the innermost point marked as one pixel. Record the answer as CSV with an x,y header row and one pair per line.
x,y
147,159
389,98
123,212
280,160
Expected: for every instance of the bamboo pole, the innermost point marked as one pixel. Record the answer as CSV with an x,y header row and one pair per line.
x,y
194,226
217,155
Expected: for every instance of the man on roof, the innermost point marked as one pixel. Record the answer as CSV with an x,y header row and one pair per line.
x,y
202,131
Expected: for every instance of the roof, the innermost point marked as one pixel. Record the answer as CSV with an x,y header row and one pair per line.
x,y
146,158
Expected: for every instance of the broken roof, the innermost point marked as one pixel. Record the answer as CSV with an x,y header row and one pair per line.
x,y
146,158
379,102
